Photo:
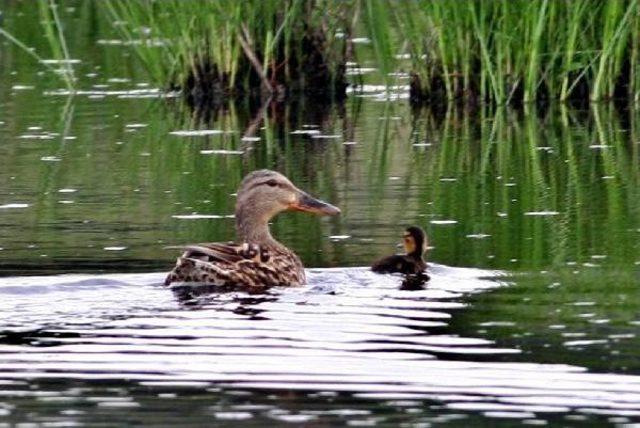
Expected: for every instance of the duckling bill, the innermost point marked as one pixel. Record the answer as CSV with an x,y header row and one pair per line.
x,y
414,242
257,260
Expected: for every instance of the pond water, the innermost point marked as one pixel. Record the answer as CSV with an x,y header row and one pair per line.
x,y
531,316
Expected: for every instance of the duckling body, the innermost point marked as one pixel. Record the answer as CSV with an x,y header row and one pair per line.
x,y
410,263
258,261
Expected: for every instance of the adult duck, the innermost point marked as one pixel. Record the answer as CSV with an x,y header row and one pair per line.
x,y
257,260
414,242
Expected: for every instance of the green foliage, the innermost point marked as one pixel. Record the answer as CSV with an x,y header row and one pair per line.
x,y
235,44
520,50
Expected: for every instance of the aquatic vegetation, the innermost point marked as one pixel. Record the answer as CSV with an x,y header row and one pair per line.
x,y
216,49
521,51
469,51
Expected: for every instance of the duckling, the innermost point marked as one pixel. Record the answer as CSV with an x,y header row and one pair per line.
x,y
414,241
258,260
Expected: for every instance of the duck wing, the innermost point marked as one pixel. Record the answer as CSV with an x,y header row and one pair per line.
x,y
217,252
399,264
223,264
387,264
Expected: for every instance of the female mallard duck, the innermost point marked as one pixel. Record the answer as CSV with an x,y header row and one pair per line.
x,y
415,244
257,260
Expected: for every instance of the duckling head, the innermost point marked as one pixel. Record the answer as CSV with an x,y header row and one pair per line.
x,y
414,241
265,193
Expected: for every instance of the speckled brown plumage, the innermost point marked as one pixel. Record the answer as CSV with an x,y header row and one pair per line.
x,y
236,265
259,261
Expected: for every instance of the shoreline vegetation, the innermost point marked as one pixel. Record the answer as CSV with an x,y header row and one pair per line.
x,y
218,50
467,52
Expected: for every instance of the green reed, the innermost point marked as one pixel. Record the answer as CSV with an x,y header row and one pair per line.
x,y
521,50
237,46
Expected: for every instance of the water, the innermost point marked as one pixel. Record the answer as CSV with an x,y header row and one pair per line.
x,y
531,315
350,347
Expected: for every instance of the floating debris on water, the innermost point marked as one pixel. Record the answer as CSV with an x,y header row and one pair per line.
x,y
358,71
222,152
42,136
197,132
497,324
60,61
200,216
66,201
305,132
151,42
477,236
22,87
114,248
12,206
443,222
67,190
327,136
541,213
585,342
399,75
339,237
131,93
136,125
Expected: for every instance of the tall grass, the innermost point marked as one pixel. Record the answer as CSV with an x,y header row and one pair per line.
x,y
498,51
270,46
522,50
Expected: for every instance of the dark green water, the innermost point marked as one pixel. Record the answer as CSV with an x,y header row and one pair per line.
x,y
98,181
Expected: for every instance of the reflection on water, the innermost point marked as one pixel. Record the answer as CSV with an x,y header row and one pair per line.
x,y
129,343
104,180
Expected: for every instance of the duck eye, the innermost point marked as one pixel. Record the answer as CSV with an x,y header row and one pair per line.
x,y
272,183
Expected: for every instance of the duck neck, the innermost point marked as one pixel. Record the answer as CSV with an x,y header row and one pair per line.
x,y
253,227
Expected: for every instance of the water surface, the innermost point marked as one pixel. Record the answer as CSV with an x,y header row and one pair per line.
x,y
533,217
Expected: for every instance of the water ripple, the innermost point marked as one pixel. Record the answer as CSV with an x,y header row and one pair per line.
x,y
349,331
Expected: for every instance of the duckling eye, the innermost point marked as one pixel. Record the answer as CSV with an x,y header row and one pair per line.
x,y
272,183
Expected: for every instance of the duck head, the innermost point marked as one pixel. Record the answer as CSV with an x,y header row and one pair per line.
x,y
414,241
262,195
